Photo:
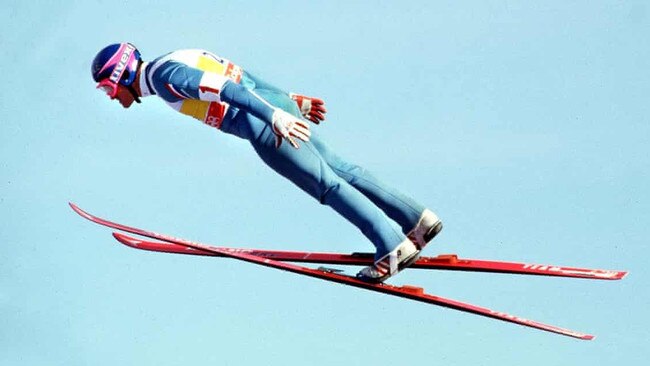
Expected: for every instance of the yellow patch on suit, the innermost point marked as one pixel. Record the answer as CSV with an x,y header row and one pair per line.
x,y
210,112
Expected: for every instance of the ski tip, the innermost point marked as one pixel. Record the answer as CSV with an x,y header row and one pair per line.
x,y
78,210
127,240
83,213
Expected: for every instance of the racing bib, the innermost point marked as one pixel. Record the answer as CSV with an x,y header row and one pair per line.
x,y
210,109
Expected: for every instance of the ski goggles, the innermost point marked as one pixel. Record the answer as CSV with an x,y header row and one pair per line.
x,y
109,87
120,62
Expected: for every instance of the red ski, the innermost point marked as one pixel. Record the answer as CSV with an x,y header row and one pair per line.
x,y
444,261
410,292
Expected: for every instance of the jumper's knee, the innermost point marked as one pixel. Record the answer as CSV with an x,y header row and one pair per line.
x,y
352,173
330,190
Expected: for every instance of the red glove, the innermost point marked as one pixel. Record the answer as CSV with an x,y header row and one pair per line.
x,y
311,108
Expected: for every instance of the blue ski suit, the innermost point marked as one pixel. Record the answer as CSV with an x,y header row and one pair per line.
x,y
223,95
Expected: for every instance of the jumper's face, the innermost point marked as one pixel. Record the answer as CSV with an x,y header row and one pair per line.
x,y
117,91
124,96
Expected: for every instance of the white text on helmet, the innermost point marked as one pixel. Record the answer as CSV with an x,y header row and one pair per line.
x,y
119,68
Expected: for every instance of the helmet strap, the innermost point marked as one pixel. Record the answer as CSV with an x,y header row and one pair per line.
x,y
134,93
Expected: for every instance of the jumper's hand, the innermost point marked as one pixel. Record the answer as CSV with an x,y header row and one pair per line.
x,y
287,126
311,108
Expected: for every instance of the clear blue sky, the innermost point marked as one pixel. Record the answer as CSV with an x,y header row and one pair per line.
x,y
523,124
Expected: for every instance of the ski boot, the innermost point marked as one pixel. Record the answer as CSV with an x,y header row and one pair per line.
x,y
428,226
389,265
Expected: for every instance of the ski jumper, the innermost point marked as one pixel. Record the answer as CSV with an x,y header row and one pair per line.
x,y
223,95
